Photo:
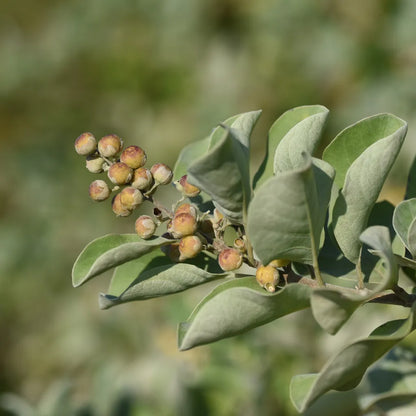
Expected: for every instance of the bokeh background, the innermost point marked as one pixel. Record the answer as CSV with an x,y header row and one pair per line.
x,y
161,74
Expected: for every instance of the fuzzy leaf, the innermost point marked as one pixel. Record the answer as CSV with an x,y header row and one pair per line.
x,y
223,172
345,370
160,278
109,251
287,214
295,131
238,306
404,215
362,156
331,308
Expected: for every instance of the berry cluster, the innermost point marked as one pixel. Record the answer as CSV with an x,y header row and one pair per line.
x,y
190,230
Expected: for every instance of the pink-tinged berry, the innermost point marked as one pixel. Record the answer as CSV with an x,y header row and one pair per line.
x,y
145,226
189,247
118,208
133,156
186,209
131,197
142,179
188,190
183,224
99,190
85,144
279,263
110,145
162,174
94,164
119,173
230,259
267,277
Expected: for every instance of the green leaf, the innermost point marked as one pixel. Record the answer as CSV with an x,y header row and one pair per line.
x,y
362,156
404,215
331,308
287,214
223,172
159,277
238,306
345,370
411,181
390,382
295,131
109,251
188,155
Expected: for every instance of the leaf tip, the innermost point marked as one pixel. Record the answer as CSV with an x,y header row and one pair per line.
x,y
182,330
106,301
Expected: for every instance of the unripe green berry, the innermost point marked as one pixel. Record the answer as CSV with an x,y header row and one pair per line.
x,y
99,190
279,263
94,163
131,197
188,190
162,174
118,208
133,156
145,226
186,209
110,145
183,224
119,173
267,277
189,247
230,259
142,179
85,144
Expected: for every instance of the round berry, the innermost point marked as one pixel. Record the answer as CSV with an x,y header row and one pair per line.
x,y
110,145
183,224
133,156
85,144
230,259
267,277
188,190
94,164
189,247
119,173
142,179
131,197
145,226
99,190
162,174
118,208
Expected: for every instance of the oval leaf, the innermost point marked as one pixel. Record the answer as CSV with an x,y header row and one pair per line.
x,y
238,306
345,370
223,172
404,215
109,251
160,279
287,214
331,308
362,154
290,127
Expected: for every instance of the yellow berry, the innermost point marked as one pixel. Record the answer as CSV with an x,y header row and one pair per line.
x,y
183,224
186,209
142,179
99,190
118,208
145,226
189,247
188,190
230,259
131,197
85,144
162,173
133,156
267,277
119,173
110,145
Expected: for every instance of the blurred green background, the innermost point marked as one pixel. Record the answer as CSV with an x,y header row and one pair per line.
x,y
161,74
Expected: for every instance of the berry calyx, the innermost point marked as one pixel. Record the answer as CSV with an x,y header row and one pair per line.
x,y
230,259
145,226
85,144
133,156
99,190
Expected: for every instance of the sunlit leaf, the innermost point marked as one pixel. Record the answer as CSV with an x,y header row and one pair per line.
x,y
295,131
362,156
237,306
109,251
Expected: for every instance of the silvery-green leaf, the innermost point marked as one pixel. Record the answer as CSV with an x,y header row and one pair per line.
x,y
362,156
109,251
345,370
238,306
404,215
292,130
